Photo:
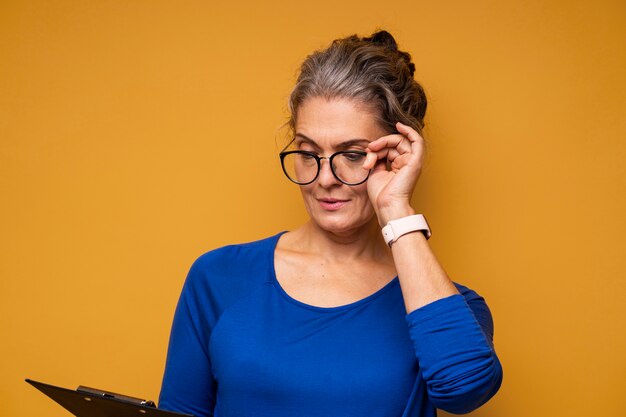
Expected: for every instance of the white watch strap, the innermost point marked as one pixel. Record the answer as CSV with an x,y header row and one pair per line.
x,y
396,228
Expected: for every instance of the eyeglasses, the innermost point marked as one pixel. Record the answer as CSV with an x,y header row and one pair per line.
x,y
303,167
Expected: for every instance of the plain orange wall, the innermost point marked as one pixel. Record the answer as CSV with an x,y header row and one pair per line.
x,y
135,136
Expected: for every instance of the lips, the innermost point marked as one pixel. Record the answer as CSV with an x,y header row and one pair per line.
x,y
332,204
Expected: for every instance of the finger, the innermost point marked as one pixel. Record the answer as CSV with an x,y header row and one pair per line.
x,y
399,142
390,141
399,162
370,160
393,154
397,159
403,149
409,132
418,144
380,166
374,156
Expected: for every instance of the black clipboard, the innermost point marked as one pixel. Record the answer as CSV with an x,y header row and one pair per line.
x,y
91,402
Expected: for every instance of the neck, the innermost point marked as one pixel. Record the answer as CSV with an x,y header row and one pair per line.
x,y
363,243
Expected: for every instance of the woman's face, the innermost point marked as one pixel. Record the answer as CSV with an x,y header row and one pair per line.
x,y
327,126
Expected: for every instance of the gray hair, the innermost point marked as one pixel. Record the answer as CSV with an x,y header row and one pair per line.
x,y
370,70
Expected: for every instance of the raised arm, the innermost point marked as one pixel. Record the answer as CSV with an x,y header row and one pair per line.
x,y
453,342
422,278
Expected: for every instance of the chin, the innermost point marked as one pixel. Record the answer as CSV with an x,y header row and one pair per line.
x,y
355,216
341,227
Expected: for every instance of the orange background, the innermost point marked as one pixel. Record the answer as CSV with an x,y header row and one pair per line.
x,y
135,136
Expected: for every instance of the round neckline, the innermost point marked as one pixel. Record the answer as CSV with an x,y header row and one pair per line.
x,y
289,298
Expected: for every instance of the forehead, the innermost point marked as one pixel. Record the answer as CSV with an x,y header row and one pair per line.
x,y
336,120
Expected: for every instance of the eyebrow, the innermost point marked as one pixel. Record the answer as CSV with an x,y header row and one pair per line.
x,y
344,144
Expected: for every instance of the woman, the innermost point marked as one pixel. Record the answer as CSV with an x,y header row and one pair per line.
x,y
333,318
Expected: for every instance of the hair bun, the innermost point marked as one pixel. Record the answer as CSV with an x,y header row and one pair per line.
x,y
383,38
386,39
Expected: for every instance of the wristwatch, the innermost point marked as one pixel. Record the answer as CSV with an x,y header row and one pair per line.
x,y
396,228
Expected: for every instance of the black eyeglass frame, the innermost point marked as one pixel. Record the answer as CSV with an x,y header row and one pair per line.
x,y
318,159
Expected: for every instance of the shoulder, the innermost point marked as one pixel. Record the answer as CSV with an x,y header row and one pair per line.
x,y
237,256
229,270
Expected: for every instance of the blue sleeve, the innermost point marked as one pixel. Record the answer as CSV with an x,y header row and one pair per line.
x,y
188,385
453,341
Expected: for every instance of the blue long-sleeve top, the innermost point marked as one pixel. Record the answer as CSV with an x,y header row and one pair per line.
x,y
240,346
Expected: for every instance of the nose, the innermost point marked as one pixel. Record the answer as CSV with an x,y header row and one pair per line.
x,y
326,177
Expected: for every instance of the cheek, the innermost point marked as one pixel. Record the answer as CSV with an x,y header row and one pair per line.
x,y
306,192
361,191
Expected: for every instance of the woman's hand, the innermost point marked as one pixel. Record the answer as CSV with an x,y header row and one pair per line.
x,y
390,190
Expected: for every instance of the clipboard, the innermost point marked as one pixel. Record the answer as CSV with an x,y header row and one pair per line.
x,y
91,402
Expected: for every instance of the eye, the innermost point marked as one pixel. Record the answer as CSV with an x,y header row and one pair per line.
x,y
307,156
353,156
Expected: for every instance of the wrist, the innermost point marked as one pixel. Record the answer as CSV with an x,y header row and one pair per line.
x,y
393,213
395,229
